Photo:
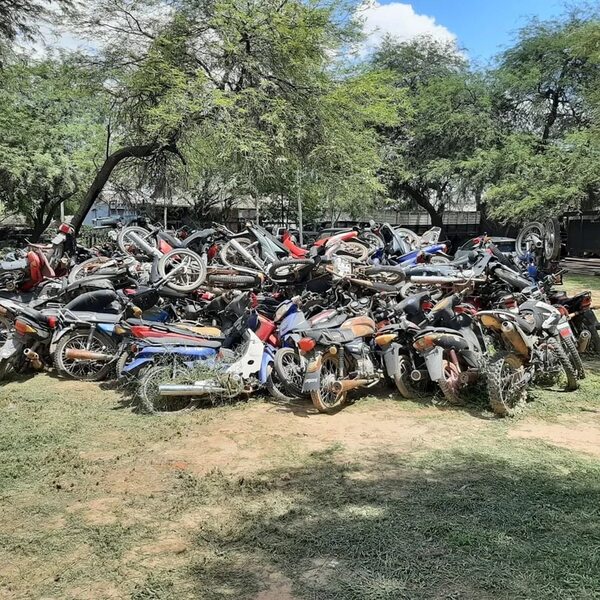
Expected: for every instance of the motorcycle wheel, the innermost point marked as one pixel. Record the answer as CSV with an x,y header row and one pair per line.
x,y
556,362
354,250
373,241
294,269
409,236
325,400
506,391
574,356
84,370
127,245
534,228
231,257
151,401
589,323
5,369
87,267
450,383
408,388
289,369
277,389
233,281
437,259
191,277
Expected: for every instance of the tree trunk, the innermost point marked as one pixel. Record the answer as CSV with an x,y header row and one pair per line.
x,y
103,175
552,116
420,197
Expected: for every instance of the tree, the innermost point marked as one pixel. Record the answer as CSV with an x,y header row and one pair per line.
x,y
248,77
51,131
450,119
23,16
548,107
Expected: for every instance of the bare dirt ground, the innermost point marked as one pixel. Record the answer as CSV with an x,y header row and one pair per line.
x,y
387,499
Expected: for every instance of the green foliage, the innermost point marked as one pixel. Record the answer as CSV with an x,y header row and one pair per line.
x,y
51,130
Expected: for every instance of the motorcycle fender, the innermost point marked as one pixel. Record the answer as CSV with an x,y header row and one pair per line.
x,y
107,328
434,361
57,336
391,361
9,349
312,376
265,367
137,363
250,362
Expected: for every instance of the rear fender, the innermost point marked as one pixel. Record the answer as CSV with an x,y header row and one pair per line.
x,y
391,356
265,367
434,361
57,337
137,363
312,375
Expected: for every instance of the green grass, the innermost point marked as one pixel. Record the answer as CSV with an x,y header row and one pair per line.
x,y
97,501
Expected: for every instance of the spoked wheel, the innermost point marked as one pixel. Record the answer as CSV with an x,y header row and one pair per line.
x,y
184,268
574,356
88,267
128,245
506,385
556,368
353,250
410,237
530,237
149,395
408,388
232,256
293,269
84,370
390,276
289,367
450,383
325,399
438,259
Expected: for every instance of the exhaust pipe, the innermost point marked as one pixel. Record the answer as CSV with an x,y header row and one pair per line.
x,y
416,375
200,388
583,342
509,331
33,358
80,354
345,385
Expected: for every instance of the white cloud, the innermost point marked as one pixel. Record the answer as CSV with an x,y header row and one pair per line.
x,y
399,20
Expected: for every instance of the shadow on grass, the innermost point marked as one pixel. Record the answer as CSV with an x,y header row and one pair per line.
x,y
460,525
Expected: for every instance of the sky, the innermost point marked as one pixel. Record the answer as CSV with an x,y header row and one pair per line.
x,y
482,27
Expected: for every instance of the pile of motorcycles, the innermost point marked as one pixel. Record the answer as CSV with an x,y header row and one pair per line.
x,y
215,314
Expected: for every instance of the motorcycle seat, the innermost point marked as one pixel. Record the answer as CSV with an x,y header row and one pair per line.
x,y
90,317
201,235
331,336
178,341
14,265
426,330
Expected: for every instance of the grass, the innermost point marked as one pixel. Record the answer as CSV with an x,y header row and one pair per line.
x,y
386,500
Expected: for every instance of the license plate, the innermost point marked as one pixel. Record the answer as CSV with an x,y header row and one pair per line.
x,y
565,330
7,350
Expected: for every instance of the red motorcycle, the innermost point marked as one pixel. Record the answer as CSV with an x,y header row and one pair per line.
x,y
40,262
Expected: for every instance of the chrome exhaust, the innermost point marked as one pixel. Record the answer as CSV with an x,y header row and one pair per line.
x,y
81,354
583,341
345,385
416,375
200,388
33,358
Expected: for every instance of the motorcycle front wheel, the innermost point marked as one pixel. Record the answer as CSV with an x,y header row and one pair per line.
x,y
325,399
506,385
184,269
148,393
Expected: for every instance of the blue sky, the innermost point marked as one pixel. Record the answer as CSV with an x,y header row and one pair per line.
x,y
482,27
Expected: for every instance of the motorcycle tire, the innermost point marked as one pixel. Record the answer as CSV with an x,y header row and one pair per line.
x,y
408,389
574,356
126,247
353,250
78,338
449,384
80,271
233,281
324,399
389,275
151,401
412,239
5,329
534,226
437,259
5,369
277,391
286,358
506,396
552,241
568,368
169,260
231,258
291,269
